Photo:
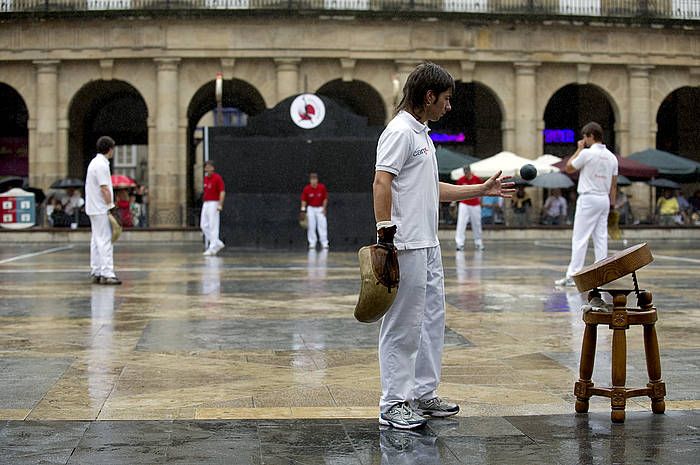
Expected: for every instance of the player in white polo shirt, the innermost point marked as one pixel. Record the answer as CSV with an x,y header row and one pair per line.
x,y
597,189
407,193
99,199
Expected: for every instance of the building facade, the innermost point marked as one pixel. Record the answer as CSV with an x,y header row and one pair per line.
x,y
146,76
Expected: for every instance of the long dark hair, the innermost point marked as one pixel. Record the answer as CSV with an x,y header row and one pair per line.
x,y
427,76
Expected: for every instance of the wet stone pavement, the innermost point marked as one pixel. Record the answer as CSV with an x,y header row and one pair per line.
x,y
253,357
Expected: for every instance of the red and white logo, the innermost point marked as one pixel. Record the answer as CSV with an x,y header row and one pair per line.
x,y
307,111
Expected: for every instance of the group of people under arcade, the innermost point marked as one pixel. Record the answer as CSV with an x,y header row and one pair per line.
x,y
68,210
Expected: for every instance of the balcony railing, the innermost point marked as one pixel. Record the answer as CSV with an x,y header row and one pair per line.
x,y
649,9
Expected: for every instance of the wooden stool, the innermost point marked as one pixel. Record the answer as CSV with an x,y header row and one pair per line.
x,y
619,320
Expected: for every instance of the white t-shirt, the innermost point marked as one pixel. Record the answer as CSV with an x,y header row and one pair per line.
x,y
97,175
406,151
598,165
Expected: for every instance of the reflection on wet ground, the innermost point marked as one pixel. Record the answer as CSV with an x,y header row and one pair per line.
x,y
254,357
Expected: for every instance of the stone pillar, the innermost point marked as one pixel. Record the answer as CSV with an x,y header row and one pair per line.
x,y
526,110
165,166
640,131
62,158
287,77
44,166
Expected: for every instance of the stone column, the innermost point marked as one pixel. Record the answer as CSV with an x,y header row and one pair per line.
x,y
640,131
526,110
287,77
64,163
166,173
44,166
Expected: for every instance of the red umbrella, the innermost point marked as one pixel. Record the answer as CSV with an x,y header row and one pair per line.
x,y
634,170
120,181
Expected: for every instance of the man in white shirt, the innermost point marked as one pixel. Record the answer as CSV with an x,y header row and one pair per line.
x,y
98,201
597,188
407,194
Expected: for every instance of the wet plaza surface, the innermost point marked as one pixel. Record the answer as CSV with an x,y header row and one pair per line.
x,y
253,357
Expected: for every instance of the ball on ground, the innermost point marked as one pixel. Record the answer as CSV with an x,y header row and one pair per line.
x,y
528,172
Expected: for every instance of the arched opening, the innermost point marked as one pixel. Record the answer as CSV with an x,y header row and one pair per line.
x,y
359,97
678,124
569,109
239,101
14,133
473,126
115,109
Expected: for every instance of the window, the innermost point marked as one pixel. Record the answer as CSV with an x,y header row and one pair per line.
x,y
579,7
465,5
346,4
227,4
686,9
108,4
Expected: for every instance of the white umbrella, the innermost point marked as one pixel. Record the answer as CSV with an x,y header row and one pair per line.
x,y
546,159
507,162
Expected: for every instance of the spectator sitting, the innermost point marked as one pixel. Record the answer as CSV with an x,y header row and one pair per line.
x,y
521,203
667,208
622,206
124,209
684,208
554,210
489,209
694,201
59,218
73,202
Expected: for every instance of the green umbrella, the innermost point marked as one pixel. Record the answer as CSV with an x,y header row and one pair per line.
x,y
669,165
449,160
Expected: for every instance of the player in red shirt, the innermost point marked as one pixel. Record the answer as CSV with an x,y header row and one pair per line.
x,y
314,202
469,211
213,203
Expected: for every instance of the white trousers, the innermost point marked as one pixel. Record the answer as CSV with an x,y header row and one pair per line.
x,y
468,214
591,220
316,220
412,333
209,223
101,260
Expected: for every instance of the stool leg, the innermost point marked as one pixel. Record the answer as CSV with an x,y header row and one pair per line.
x,y
581,388
657,388
619,376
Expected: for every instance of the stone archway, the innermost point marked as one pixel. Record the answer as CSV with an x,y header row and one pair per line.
x,y
678,124
568,110
240,100
114,108
359,97
474,126
14,133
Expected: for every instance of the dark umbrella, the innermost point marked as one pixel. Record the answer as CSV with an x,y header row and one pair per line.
x,y
39,195
449,160
623,181
633,169
668,164
10,182
666,183
553,181
67,183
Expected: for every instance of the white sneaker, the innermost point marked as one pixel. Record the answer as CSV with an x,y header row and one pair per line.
x,y
208,253
480,247
218,248
565,282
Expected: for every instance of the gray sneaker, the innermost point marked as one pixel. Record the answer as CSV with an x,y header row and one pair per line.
x,y
402,416
436,407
